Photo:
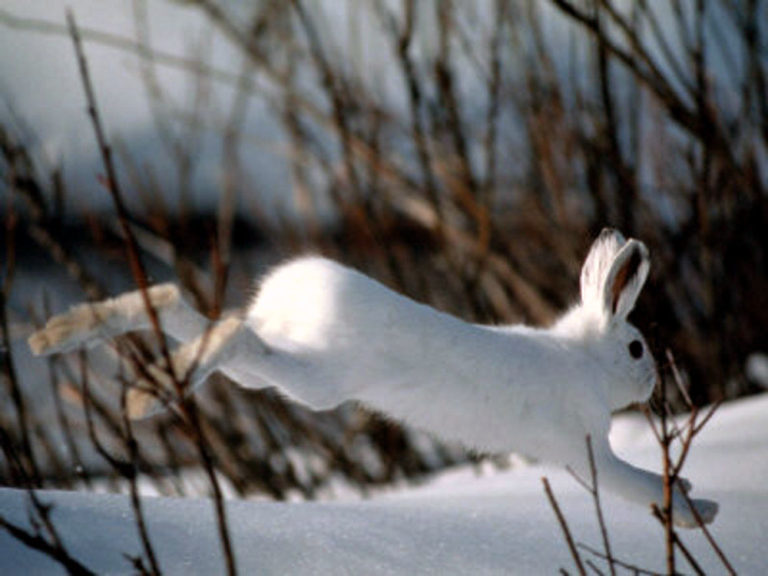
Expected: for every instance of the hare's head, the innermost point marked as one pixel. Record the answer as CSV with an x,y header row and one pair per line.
x,y
611,279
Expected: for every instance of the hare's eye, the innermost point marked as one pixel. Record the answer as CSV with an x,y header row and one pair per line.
x,y
636,349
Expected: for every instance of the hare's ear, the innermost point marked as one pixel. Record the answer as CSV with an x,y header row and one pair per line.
x,y
613,274
598,264
625,279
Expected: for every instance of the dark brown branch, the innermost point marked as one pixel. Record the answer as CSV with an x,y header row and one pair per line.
x,y
665,520
127,469
598,508
631,567
17,396
494,85
39,543
647,72
710,539
140,276
564,527
136,505
65,425
113,185
419,132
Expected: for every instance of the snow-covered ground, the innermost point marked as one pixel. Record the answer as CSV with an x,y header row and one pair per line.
x,y
460,523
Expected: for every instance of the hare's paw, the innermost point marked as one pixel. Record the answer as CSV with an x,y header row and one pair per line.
x,y
141,403
706,510
86,324
78,327
144,399
152,384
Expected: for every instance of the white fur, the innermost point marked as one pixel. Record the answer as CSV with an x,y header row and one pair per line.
x,y
325,334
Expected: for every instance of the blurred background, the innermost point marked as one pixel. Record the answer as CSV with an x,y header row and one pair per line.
x,y
463,153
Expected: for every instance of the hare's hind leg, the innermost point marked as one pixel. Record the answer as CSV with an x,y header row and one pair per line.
x,y
216,348
87,324
232,347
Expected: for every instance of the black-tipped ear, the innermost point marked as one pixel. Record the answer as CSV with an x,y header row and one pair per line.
x,y
625,279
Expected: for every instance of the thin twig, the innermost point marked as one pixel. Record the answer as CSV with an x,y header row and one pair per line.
x,y
631,567
594,567
140,276
708,535
598,508
138,511
676,541
113,185
10,375
665,514
38,542
64,424
564,526
44,536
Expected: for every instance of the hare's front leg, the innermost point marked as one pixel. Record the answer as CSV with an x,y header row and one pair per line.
x,y
647,488
87,324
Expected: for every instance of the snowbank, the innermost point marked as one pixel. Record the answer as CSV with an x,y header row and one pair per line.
x,y
460,523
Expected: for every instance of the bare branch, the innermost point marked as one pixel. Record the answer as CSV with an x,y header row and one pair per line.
x,y
38,542
564,527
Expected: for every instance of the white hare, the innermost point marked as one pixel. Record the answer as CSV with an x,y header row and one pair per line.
x,y
325,334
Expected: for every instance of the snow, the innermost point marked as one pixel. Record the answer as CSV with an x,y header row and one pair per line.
x,y
460,523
